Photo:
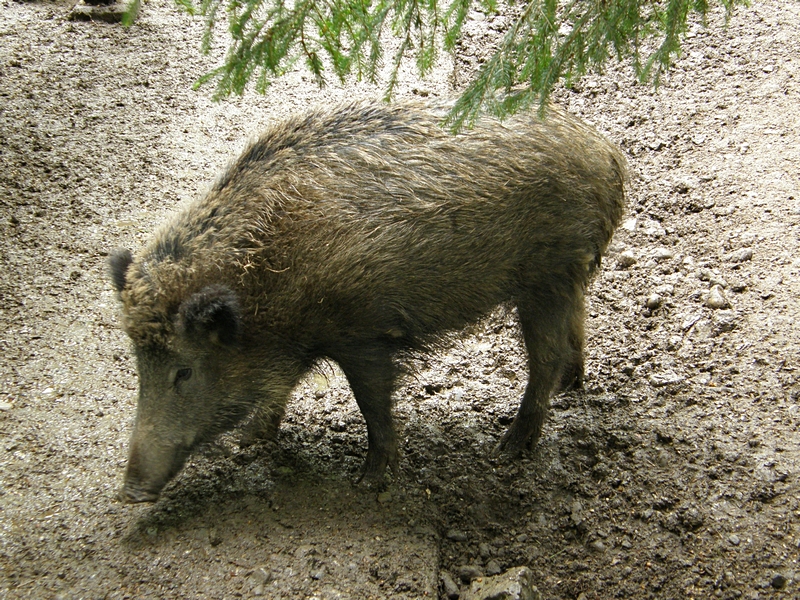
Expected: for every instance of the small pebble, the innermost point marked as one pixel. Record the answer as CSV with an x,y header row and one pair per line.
x,y
742,255
467,573
260,576
716,299
384,497
457,535
734,539
575,513
6,406
484,550
723,321
654,301
449,586
493,568
692,519
738,286
663,254
598,546
514,584
666,289
683,186
778,581
712,277
626,259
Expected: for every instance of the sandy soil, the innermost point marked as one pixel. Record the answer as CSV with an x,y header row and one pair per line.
x,y
673,475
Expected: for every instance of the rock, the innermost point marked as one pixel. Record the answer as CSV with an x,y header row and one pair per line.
x,y
652,228
662,254
258,580
682,186
741,255
49,394
484,550
689,321
514,584
734,539
665,378
457,535
723,321
738,286
626,259
493,568
691,519
767,286
712,277
665,289
467,573
778,581
654,301
449,586
89,10
597,546
716,299
575,513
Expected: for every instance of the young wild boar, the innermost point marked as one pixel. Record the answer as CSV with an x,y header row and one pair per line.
x,y
360,234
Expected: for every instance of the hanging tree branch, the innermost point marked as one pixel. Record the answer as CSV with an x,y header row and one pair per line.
x,y
550,41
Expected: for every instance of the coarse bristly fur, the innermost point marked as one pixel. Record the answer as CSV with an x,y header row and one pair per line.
x,y
365,231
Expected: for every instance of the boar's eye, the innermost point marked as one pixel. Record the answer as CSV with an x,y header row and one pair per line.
x,y
182,375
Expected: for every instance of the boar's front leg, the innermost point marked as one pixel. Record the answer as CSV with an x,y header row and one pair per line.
x,y
371,373
263,425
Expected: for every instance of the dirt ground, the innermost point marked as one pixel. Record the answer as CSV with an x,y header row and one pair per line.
x,y
674,474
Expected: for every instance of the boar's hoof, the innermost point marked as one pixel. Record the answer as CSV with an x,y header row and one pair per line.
x,y
131,495
571,379
374,472
512,446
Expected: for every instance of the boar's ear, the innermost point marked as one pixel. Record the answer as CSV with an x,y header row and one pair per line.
x,y
212,314
118,264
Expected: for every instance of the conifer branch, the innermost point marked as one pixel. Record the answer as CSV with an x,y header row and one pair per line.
x,y
550,41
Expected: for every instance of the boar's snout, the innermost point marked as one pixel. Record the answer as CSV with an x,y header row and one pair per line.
x,y
131,494
149,470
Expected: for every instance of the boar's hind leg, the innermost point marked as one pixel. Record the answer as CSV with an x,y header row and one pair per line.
x,y
547,321
371,374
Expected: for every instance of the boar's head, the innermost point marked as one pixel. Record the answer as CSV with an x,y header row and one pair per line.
x,y
185,344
